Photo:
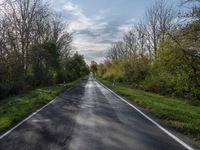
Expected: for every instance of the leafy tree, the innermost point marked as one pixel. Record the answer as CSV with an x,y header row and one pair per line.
x,y
93,67
76,67
158,55
45,61
35,47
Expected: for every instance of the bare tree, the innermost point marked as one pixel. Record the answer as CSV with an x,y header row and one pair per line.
x,y
24,21
62,37
130,41
116,51
159,21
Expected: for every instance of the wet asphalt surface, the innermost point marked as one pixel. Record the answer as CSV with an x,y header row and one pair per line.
x,y
88,117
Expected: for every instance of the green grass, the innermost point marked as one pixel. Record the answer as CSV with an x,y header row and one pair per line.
x,y
176,113
13,109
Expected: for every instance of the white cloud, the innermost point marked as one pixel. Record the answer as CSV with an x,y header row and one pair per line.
x,y
71,7
125,27
86,43
88,32
90,47
80,21
93,35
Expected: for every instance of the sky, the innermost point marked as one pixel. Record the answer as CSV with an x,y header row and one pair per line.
x,y
99,23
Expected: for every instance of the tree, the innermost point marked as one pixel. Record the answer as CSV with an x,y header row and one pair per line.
x,y
35,46
93,67
158,54
75,67
45,64
159,22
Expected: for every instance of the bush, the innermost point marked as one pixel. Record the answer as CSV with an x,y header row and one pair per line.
x,y
159,83
171,74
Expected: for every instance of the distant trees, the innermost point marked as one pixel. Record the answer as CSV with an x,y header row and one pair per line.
x,y
76,67
93,67
35,46
158,54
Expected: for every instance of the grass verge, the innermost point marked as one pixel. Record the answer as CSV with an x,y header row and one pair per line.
x,y
13,109
175,113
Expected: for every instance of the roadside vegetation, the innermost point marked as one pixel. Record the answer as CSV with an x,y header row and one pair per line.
x,y
160,54
15,108
35,48
174,112
37,60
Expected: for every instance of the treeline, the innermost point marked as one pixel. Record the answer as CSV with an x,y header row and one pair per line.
x,y
159,54
35,47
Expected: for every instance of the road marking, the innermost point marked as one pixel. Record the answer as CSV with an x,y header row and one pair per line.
x,y
40,120
9,131
151,120
23,121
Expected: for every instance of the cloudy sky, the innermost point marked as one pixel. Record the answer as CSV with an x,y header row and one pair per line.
x,y
99,23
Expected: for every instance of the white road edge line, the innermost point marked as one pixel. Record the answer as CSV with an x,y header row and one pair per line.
x,y
9,131
27,118
151,120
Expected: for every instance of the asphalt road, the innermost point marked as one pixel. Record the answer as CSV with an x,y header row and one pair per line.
x,y
88,117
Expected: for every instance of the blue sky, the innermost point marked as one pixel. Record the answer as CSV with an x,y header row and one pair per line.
x,y
99,23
